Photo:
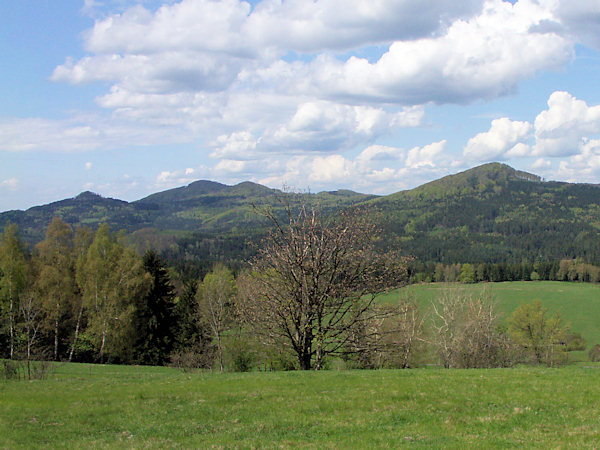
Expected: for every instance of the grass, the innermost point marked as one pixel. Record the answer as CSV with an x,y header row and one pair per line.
x,y
578,303
119,406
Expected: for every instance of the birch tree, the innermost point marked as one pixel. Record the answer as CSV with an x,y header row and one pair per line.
x,y
14,269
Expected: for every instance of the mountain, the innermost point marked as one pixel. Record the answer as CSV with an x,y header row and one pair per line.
x,y
494,213
204,212
490,213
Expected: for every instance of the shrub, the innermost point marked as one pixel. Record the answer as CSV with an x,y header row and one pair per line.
x,y
575,342
594,353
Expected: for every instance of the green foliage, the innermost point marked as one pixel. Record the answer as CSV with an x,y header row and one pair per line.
x,y
594,353
155,317
542,336
467,273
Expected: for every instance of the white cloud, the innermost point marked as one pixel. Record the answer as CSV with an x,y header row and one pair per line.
x,y
88,166
504,139
427,156
317,126
482,57
218,68
10,183
583,167
562,128
541,164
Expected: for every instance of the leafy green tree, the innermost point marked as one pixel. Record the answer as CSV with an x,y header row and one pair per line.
x,y
216,296
541,336
155,315
15,271
81,243
55,281
111,279
467,274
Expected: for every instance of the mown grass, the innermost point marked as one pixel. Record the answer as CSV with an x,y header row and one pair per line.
x,y
578,303
112,406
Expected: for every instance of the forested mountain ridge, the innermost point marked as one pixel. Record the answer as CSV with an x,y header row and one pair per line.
x,y
494,213
491,213
205,220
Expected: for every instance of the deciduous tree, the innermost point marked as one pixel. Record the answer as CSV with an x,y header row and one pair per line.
x,y
215,299
315,280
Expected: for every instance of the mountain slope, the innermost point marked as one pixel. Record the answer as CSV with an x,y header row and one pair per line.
x,y
494,213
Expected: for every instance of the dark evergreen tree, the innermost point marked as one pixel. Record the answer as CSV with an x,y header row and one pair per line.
x,y
155,316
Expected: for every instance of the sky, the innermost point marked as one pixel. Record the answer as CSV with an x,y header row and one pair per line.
x,y
125,98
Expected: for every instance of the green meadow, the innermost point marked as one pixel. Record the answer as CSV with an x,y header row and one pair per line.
x,y
578,303
139,407
106,406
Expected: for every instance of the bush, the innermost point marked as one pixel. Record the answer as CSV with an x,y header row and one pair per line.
x,y
10,370
594,353
575,342
239,352
191,359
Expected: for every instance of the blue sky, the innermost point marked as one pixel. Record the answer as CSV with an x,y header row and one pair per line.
x,y
126,98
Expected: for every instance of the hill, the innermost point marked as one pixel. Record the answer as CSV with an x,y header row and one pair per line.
x,y
491,213
494,213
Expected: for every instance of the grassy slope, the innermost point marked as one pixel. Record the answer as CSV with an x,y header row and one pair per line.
x,y
109,406
578,303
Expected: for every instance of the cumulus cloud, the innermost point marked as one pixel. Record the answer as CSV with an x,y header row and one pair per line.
x,y
318,126
375,169
481,57
223,68
583,167
88,166
562,128
504,139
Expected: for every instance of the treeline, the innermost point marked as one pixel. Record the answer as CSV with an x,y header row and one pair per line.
x,y
563,270
84,296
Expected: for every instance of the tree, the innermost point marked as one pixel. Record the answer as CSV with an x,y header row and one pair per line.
x,y
315,280
81,243
15,271
155,315
215,299
55,281
467,274
111,278
467,333
541,336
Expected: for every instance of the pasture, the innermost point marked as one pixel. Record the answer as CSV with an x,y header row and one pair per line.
x,y
130,406
578,303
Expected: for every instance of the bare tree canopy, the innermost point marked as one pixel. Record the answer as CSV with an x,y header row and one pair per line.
x,y
315,280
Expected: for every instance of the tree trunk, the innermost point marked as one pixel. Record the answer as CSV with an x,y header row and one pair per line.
x,y
56,340
101,353
12,336
220,350
76,332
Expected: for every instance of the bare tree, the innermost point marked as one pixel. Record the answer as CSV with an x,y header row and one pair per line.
x,y
315,280
467,333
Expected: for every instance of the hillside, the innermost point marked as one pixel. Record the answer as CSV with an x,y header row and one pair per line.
x,y
204,220
490,213
494,213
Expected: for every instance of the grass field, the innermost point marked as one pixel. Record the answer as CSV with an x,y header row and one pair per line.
x,y
141,407
578,303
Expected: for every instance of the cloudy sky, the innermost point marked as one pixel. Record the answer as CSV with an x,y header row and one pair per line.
x,y
129,97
